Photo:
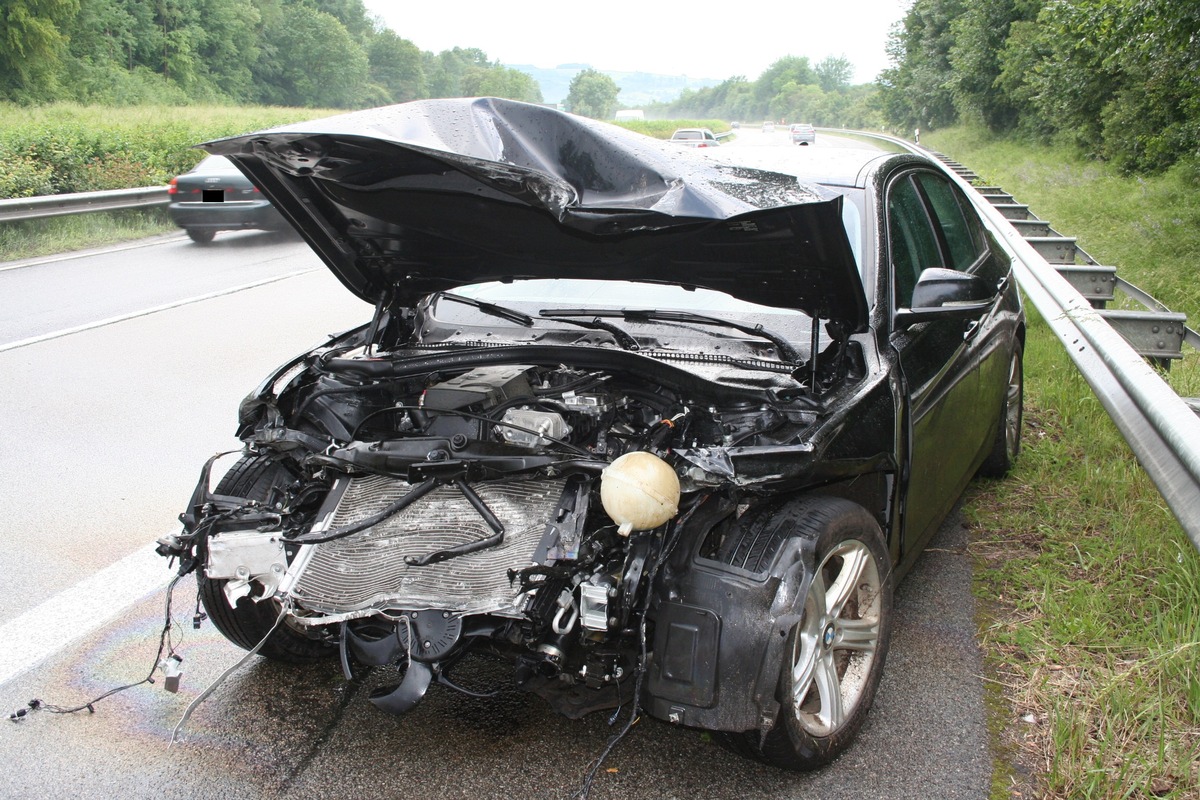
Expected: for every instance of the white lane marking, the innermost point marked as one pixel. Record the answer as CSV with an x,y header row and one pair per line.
x,y
95,251
147,311
76,612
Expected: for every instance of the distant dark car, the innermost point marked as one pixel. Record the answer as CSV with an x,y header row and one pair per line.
x,y
695,137
216,196
803,134
661,431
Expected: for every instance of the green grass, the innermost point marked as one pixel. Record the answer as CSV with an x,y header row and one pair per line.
x,y
35,238
1089,589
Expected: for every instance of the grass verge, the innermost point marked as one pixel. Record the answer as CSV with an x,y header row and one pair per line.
x,y
1089,590
36,238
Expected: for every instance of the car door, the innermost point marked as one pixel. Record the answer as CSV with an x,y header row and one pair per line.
x,y
939,359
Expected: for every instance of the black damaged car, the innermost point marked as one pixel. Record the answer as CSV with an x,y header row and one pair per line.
x,y
647,425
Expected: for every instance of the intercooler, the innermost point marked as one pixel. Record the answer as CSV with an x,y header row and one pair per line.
x,y
367,570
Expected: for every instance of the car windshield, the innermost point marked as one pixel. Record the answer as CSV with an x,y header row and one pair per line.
x,y
688,135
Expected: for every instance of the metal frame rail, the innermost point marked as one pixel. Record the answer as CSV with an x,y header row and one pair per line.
x,y
57,205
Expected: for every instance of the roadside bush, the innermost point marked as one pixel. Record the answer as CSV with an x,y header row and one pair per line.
x,y
22,176
65,147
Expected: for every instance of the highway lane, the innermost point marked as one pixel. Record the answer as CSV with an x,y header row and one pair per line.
x,y
303,733
57,293
104,432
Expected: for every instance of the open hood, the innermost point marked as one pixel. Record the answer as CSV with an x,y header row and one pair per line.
x,y
425,196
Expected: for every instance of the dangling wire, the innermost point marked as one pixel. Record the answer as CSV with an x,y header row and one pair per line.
x,y
164,644
284,608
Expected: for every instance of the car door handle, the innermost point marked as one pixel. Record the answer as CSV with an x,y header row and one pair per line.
x,y
971,328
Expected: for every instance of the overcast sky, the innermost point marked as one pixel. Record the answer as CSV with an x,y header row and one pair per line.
x,y
697,38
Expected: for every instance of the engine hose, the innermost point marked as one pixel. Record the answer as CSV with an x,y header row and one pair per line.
x,y
418,491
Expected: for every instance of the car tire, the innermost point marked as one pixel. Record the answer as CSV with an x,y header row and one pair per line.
x,y
1007,444
834,656
249,621
200,236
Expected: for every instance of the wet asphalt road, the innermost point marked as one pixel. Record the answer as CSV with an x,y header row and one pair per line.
x,y
94,481
279,732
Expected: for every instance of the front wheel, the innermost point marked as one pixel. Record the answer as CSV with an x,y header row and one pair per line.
x,y
834,655
248,622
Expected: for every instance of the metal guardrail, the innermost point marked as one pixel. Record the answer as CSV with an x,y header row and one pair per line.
x,y
1159,426
57,205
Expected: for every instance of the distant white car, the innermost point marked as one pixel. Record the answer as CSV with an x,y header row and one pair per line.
x,y
695,137
803,134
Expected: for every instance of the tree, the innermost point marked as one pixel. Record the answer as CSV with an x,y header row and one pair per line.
x,y
498,81
593,94
396,66
444,72
833,74
916,88
32,46
312,61
789,69
980,34
226,44
799,103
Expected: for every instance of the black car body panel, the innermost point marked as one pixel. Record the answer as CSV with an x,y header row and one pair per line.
x,y
626,416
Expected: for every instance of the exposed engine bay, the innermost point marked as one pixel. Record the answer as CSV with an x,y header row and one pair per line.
x,y
405,515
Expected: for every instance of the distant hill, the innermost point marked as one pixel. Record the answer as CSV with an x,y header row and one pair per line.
x,y
637,88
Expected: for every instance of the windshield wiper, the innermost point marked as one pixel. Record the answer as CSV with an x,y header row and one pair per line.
x,y
785,349
490,308
624,340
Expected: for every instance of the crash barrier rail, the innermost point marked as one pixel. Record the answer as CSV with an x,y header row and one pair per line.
x,y
1159,426
57,205
1154,331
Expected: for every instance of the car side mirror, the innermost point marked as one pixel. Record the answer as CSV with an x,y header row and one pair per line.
x,y
946,294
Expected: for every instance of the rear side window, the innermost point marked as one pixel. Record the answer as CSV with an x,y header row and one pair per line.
x,y
961,242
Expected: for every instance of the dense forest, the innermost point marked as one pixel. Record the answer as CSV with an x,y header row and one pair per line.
x,y
1120,79
791,89
319,53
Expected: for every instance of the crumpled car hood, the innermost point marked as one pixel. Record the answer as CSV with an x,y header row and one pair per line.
x,y
430,195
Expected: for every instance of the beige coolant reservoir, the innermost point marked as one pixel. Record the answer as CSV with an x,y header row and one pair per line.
x,y
639,491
